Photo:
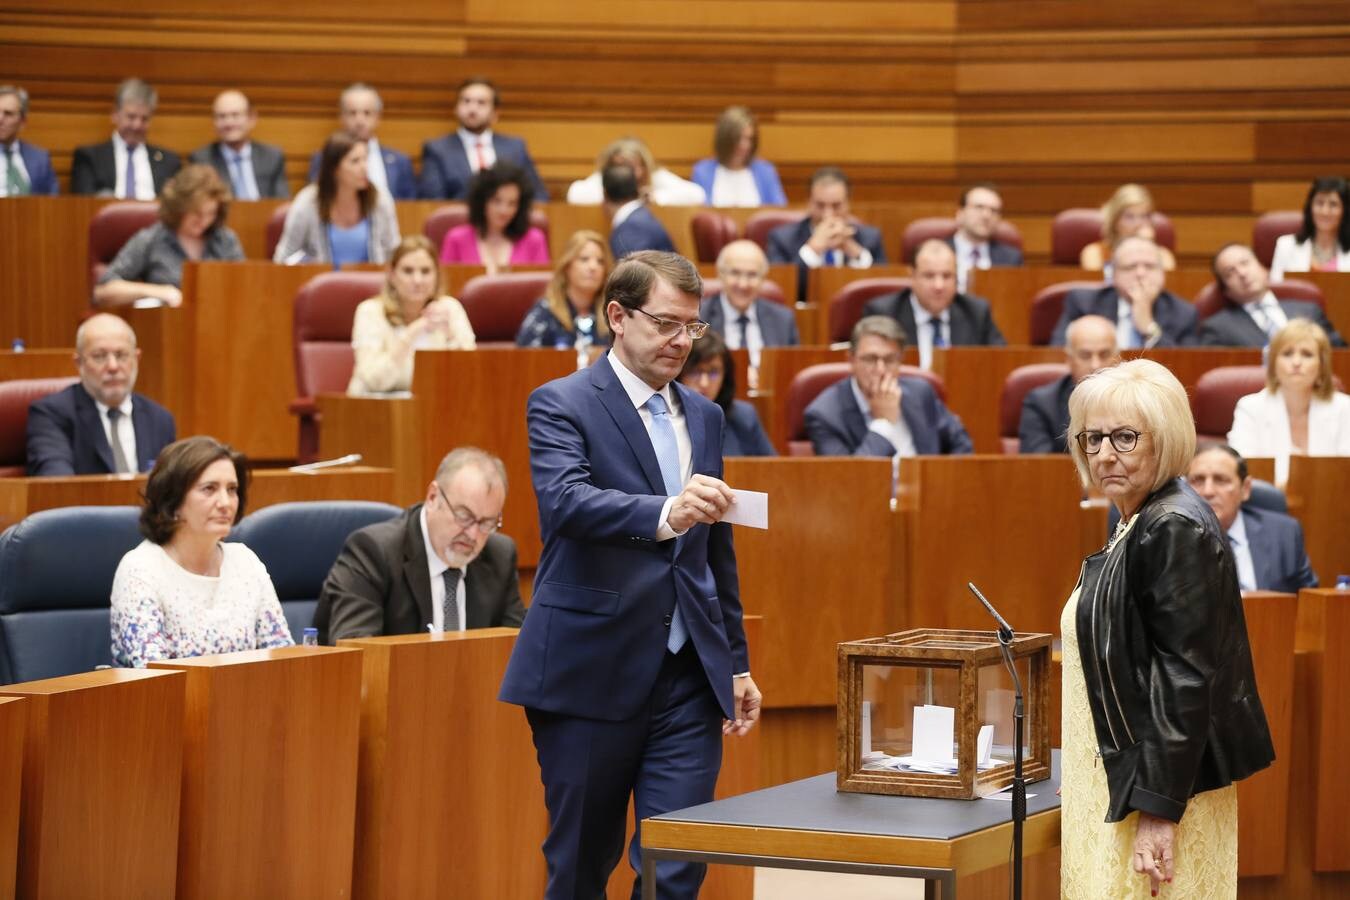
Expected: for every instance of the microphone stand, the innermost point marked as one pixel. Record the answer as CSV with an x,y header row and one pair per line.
x,y
1019,785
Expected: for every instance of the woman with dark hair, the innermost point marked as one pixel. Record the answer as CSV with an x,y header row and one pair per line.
x,y
192,208
737,177
709,370
498,234
572,313
1322,244
342,218
184,591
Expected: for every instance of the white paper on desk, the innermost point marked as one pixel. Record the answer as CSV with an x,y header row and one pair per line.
x,y
984,745
147,303
750,509
933,730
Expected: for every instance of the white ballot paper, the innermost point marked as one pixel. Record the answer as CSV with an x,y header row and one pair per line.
x,y
934,727
750,509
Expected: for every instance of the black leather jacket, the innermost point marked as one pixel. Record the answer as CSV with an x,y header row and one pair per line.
x,y
1163,642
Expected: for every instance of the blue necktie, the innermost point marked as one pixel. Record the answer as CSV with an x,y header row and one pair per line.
x,y
668,457
241,191
938,340
130,187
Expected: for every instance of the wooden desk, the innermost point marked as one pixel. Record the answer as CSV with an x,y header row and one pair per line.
x,y
56,363
1324,629
102,766
269,772
13,730
974,379
1318,490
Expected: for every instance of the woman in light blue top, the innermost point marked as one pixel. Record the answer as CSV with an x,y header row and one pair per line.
x,y
736,177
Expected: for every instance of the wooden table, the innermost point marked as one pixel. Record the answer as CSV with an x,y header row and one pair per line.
x,y
1318,491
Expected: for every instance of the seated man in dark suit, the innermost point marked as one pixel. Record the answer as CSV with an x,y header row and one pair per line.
x,y
826,237
977,218
1267,545
1044,425
25,169
450,161
632,225
251,169
440,564
1253,313
876,412
125,166
82,430
359,109
739,314
932,313
1145,315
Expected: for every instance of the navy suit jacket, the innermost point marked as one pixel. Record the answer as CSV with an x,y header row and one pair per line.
x,y
744,435
640,231
786,240
446,171
269,167
38,162
605,589
1278,557
66,437
1045,418
1233,327
836,425
1175,316
970,321
93,169
1000,254
777,323
398,172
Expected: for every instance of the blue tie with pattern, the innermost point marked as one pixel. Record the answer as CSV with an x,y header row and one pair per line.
x,y
668,457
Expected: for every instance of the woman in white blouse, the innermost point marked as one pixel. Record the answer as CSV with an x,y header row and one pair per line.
x,y
1322,244
656,184
736,176
183,591
410,314
1300,411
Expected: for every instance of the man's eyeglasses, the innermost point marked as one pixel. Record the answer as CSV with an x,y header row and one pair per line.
x,y
101,357
1122,439
465,517
668,327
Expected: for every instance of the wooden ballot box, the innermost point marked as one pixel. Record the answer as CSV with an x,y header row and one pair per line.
x,y
269,773
102,766
13,729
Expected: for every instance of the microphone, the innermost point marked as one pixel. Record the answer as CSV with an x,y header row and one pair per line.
x,y
1005,632
350,459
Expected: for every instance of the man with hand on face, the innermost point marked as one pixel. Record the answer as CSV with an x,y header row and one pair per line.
x,y
1044,425
99,427
359,109
875,412
1267,545
125,166
25,169
826,237
251,169
450,162
933,311
1145,314
441,564
977,218
632,663
1254,314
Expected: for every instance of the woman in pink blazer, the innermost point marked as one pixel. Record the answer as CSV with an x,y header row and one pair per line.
x,y
498,234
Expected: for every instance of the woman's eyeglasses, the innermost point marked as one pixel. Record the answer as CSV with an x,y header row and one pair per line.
x,y
1122,439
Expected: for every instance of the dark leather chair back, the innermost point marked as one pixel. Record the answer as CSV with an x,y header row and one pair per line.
x,y
808,384
942,229
1016,386
1216,395
846,306
1048,305
111,227
1269,228
497,304
1210,299
15,398
758,226
712,231
276,224
1073,229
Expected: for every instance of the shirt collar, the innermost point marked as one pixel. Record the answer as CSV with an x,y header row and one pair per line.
x,y
103,408
623,212
245,153
859,398
435,565
1238,530
730,313
639,391
1266,299
469,138
126,148
923,316
963,245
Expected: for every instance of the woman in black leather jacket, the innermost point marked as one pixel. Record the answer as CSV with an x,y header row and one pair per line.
x,y
1161,712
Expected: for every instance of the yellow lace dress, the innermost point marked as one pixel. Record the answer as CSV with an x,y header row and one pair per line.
x,y
1096,856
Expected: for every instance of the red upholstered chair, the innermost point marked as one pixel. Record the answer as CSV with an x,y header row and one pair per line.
x,y
1073,229
769,290
111,227
808,384
276,224
324,309
15,398
1268,229
1216,395
443,218
497,304
942,229
759,225
1016,386
846,306
1048,305
1209,300
712,232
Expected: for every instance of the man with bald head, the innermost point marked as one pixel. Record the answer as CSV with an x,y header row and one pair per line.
x,y
932,313
1253,313
738,312
252,170
1145,314
1091,347
99,426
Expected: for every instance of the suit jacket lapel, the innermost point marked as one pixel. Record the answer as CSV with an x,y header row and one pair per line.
x,y
958,322
621,409
140,426
905,315
920,430
415,574
854,422
92,424
702,460
1256,546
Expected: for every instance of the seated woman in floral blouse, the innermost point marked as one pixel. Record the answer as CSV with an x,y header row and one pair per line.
x,y
182,591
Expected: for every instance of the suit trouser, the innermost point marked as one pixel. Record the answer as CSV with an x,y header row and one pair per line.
x,y
666,757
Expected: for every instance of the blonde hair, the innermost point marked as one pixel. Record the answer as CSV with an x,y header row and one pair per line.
x,y
556,295
627,146
1303,330
1144,389
393,307
1126,195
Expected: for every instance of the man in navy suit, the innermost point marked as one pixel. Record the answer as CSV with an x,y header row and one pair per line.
x,y
826,237
125,166
632,662
449,162
24,168
1145,315
1044,424
253,170
739,313
1253,313
875,412
1267,545
84,430
359,108
932,313
977,218
632,225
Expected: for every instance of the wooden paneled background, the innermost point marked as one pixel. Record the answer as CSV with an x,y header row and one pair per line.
x,y
1224,108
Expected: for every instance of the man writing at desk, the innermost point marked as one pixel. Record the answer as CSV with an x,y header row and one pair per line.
x,y
633,653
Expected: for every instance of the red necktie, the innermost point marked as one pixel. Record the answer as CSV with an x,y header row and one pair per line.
x,y
482,155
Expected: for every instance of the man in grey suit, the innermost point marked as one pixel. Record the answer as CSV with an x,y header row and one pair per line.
x,y
439,566
738,313
252,170
1253,313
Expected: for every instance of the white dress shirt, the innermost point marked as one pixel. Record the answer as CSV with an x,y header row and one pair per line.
x,y
12,156
1242,554
896,432
126,431
639,392
1127,335
1267,313
375,166
969,256
754,338
140,158
471,144
814,260
623,212
436,569
923,320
